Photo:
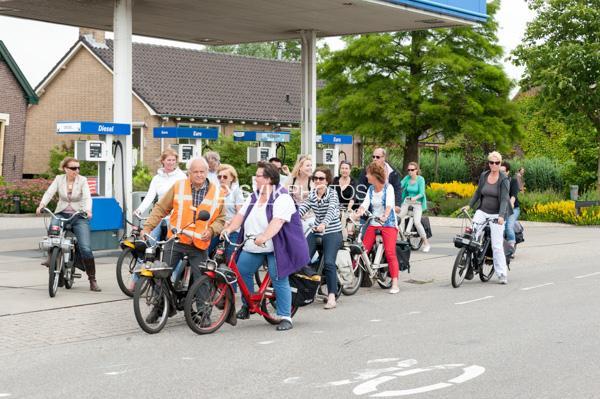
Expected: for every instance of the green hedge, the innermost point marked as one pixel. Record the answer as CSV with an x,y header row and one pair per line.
x,y
542,173
452,167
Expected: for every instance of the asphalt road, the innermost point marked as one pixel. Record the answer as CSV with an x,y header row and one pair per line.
x,y
536,337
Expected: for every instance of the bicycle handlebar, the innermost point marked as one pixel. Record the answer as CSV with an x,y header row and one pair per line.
x,y
225,236
80,212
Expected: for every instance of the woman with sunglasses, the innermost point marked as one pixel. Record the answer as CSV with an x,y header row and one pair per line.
x,y
413,194
380,201
493,196
74,195
323,201
234,199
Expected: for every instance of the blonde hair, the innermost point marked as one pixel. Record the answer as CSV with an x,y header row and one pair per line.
x,y
230,169
169,152
65,162
298,165
494,154
416,165
377,171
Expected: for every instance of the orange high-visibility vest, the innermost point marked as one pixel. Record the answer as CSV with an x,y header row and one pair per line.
x,y
184,211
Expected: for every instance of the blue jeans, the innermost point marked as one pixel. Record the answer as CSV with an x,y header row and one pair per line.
x,y
249,262
81,229
228,248
331,244
510,225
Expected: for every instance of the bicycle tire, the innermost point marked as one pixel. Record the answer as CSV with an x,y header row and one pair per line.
x,y
269,308
462,262
484,274
126,252
160,301
349,290
54,270
383,278
415,242
214,296
70,273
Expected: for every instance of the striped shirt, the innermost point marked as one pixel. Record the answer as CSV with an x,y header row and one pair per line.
x,y
326,209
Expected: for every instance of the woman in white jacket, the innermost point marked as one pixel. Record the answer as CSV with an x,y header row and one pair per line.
x,y
160,184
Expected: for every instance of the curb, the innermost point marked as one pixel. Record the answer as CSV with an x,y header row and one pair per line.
x,y
18,215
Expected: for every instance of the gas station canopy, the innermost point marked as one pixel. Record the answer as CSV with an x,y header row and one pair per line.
x,y
237,21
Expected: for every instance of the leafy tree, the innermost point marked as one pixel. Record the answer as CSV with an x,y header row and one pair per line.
x,y
289,50
406,87
561,53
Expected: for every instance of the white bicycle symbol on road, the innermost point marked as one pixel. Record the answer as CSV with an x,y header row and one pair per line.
x,y
370,380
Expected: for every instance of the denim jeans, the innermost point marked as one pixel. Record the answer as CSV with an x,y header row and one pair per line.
x,y
510,225
249,262
81,229
331,244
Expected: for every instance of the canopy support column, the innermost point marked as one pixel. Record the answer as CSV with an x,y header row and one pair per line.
x,y
309,93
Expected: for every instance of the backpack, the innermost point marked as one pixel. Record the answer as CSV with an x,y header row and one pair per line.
x,y
304,285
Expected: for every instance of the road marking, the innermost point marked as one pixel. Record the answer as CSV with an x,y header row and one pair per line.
x,y
318,332
536,286
115,372
4,395
588,275
291,380
265,342
375,320
474,300
187,358
415,312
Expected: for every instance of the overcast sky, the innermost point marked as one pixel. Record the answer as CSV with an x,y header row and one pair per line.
x,y
37,46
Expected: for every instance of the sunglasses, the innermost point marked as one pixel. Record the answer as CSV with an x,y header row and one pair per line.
x,y
73,167
319,178
223,177
410,170
377,157
494,162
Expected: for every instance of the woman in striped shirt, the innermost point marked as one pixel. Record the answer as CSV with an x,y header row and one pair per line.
x,y
323,201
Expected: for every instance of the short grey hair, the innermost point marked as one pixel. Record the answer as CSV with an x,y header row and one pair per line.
x,y
189,163
212,155
382,150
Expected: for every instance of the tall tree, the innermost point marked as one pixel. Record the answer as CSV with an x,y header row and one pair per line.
x,y
561,53
407,86
286,50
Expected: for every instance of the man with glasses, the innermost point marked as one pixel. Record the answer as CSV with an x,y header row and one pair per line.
x,y
379,157
184,201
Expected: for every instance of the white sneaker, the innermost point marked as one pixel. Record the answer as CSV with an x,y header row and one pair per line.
x,y
503,280
394,290
426,248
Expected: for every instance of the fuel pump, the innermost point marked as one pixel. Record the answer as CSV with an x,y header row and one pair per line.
x,y
187,151
108,214
330,151
268,143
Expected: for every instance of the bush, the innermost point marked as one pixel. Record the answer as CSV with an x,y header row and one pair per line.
x,y
564,212
58,153
542,173
456,189
30,193
529,199
141,177
452,167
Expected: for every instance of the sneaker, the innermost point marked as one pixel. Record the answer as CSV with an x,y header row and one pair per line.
x,y
394,290
243,313
426,248
330,305
503,280
284,325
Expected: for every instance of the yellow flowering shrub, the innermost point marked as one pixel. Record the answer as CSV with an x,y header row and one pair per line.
x,y
564,211
462,190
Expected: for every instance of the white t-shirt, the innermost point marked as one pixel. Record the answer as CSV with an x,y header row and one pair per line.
x,y
233,199
377,205
257,222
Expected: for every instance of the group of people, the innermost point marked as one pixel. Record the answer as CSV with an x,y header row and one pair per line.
x,y
286,212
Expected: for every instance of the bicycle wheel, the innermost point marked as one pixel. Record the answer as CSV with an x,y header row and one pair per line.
x,y
383,278
70,272
150,304
125,266
462,263
268,305
259,275
352,289
55,270
207,305
415,242
486,272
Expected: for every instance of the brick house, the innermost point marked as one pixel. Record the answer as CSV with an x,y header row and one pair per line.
x,y
15,97
171,87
